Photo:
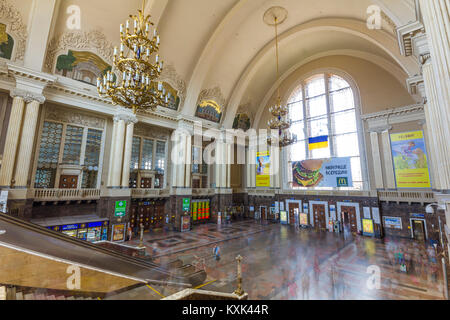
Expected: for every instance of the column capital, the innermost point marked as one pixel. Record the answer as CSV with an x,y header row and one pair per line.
x,y
125,115
27,96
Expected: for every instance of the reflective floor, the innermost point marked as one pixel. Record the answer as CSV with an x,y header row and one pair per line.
x,y
281,263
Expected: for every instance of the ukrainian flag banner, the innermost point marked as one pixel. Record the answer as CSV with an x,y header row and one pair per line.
x,y
318,143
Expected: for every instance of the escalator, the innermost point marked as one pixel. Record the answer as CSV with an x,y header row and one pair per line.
x,y
39,241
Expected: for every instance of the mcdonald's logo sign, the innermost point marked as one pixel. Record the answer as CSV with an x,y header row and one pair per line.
x,y
342,182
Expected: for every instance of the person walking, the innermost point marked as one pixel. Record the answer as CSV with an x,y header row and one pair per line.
x,y
216,252
130,233
305,286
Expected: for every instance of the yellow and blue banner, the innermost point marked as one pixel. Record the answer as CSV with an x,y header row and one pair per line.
x,y
410,160
263,169
318,143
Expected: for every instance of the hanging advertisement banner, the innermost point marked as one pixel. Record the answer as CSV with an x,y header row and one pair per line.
x,y
263,169
332,173
410,160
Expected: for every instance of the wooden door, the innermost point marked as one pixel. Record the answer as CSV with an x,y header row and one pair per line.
x,y
263,213
68,182
320,221
350,212
292,207
418,230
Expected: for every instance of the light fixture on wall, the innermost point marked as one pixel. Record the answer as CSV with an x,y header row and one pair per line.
x,y
140,66
280,113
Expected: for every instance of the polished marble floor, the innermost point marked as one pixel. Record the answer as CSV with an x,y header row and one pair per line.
x,y
284,263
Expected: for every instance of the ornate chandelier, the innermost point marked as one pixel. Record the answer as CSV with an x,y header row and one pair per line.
x,y
140,67
280,120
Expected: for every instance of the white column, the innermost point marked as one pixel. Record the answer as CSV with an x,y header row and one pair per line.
x,y
118,154
174,158
12,140
228,164
188,161
431,150
376,160
437,78
27,143
112,153
439,128
127,155
43,14
387,157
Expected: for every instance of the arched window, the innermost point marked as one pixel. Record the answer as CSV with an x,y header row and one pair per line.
x,y
324,105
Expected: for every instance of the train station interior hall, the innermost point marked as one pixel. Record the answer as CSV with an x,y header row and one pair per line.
x,y
224,149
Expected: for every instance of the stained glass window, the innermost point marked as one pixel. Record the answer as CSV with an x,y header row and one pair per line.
x,y
136,149
92,158
147,155
160,161
48,155
72,145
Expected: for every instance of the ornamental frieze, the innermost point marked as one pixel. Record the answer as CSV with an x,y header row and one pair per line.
x,y
54,113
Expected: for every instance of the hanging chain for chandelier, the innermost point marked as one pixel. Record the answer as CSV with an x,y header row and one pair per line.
x,y
280,120
140,66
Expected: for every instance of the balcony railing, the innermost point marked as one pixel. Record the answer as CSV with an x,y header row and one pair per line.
x,y
407,196
145,193
65,194
203,192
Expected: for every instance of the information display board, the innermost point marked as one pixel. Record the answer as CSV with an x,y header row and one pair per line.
x,y
120,209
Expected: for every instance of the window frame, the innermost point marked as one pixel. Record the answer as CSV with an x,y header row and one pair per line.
x,y
301,84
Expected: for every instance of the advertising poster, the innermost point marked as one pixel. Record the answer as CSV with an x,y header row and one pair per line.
x,y
332,173
304,219
376,215
368,229
263,169
283,217
185,223
393,222
410,160
118,233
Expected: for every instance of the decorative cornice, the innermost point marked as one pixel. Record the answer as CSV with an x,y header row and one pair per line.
x,y
416,108
388,20
94,41
64,115
16,26
406,36
151,132
27,96
125,115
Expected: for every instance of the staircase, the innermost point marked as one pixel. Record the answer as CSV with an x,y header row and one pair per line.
x,y
33,294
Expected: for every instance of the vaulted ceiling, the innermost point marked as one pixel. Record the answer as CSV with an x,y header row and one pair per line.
x,y
225,44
